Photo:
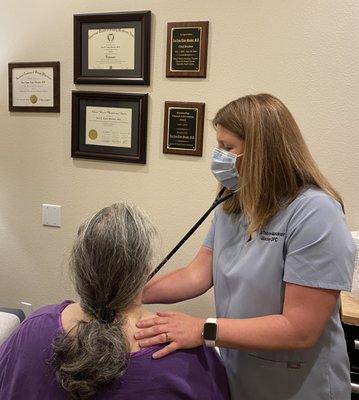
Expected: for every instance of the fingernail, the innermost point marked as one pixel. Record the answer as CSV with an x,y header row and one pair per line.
x,y
136,335
154,356
139,324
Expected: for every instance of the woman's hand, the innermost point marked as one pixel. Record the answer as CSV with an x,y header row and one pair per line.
x,y
181,331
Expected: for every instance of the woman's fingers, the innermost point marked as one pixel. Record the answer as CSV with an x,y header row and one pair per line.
x,y
165,313
147,323
152,331
152,341
166,350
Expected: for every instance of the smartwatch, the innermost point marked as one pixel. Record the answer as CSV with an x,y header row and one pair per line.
x,y
210,332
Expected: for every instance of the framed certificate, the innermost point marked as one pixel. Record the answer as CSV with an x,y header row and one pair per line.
x,y
183,128
187,44
34,87
112,48
109,126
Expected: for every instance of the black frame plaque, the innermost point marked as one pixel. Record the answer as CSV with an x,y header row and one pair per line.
x,y
84,144
183,128
187,44
134,24
36,68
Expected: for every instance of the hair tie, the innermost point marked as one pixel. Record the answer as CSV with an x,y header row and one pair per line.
x,y
106,315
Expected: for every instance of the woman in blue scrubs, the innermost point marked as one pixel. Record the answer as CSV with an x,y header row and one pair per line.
x,y
278,253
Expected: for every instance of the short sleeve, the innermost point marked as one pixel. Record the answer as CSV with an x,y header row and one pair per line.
x,y
319,248
209,239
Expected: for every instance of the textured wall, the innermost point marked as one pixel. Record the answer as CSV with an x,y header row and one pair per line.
x,y
304,52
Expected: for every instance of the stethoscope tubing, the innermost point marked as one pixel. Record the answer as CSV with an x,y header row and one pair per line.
x,y
218,200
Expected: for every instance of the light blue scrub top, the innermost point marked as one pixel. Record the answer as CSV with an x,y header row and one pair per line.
x,y
307,243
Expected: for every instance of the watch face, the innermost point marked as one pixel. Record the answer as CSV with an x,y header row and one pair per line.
x,y
210,331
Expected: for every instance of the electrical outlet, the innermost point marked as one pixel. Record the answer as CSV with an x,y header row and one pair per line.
x,y
51,215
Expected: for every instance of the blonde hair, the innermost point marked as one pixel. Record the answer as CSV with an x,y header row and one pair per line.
x,y
276,163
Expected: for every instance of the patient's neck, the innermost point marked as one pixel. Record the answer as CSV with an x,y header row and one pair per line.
x,y
73,313
135,309
134,313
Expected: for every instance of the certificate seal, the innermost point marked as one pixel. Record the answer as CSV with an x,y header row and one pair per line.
x,y
93,134
33,99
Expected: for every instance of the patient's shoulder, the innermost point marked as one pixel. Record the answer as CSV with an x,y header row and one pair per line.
x,y
202,359
204,368
194,373
49,310
39,327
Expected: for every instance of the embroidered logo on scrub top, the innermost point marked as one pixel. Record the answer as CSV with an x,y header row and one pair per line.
x,y
271,236
294,365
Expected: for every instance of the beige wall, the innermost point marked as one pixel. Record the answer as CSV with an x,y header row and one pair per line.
x,y
303,51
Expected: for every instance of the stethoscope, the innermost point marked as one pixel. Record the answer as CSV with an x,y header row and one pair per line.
x,y
218,200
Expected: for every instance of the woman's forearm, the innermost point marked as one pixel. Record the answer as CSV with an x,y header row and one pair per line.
x,y
180,285
272,332
306,312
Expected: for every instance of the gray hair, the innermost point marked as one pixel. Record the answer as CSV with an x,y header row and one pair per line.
x,y
110,264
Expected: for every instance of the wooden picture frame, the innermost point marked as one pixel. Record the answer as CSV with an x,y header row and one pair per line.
x,y
109,126
187,46
34,86
183,128
112,48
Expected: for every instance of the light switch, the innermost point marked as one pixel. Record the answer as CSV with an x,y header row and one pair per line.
x,y
51,215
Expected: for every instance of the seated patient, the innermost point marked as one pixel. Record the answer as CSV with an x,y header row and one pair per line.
x,y
86,350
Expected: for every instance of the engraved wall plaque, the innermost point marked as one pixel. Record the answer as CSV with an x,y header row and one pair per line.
x,y
187,44
183,128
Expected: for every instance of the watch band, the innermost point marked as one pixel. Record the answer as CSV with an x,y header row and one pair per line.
x,y
207,342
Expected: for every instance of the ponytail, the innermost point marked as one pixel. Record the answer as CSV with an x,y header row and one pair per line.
x,y
91,356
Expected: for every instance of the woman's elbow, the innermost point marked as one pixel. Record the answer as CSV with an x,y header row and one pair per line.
x,y
305,340
302,335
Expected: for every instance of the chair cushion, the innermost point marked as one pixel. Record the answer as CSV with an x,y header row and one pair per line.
x,y
8,322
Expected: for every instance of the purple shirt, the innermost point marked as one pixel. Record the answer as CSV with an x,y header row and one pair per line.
x,y
25,372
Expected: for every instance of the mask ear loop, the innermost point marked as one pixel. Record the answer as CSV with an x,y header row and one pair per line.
x,y
218,200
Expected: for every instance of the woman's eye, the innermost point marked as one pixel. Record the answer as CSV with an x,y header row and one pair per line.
x,y
224,147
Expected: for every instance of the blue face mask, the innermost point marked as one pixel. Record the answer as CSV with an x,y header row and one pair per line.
x,y
224,168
